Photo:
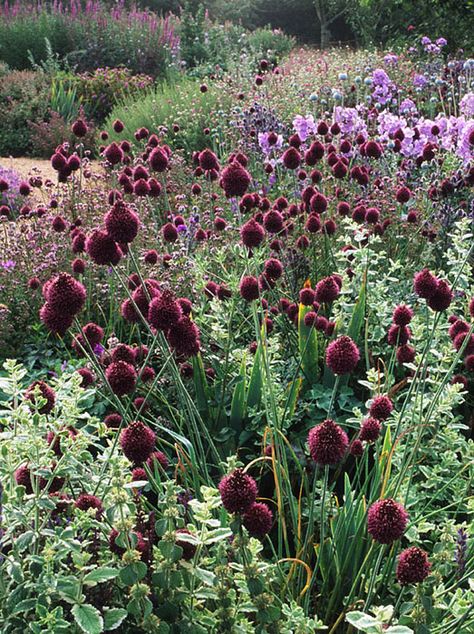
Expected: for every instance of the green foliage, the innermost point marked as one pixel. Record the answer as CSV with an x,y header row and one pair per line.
x,y
24,97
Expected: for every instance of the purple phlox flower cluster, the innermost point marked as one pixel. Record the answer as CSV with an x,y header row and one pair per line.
x,y
466,105
408,107
351,120
304,126
383,87
265,145
11,197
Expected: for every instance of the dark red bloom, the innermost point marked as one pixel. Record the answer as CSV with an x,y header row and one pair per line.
x,y
158,159
327,290
442,297
183,337
235,180
85,502
307,296
252,234
88,377
328,443
273,268
249,288
102,249
398,335
79,128
238,491
46,393
406,354
273,221
137,442
357,448
291,158
402,315
318,203
425,284
370,429
342,355
164,311
413,566
169,232
258,520
54,321
381,407
64,294
93,333
157,458
121,223
386,521
122,377
114,154
23,477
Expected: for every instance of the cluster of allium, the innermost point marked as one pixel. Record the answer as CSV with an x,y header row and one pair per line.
x,y
380,409
436,292
239,494
462,337
399,334
65,162
137,179
163,312
65,298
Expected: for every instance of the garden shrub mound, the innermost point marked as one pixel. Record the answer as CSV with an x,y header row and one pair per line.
x,y
243,393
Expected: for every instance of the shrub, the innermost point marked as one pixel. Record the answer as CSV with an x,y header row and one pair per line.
x,y
47,135
99,91
24,97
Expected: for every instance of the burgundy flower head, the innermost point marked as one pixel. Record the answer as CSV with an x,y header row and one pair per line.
x,y
342,355
102,249
238,491
46,392
425,284
121,377
413,566
121,223
370,430
64,294
252,234
85,502
183,337
249,288
381,407
258,520
23,477
137,442
442,297
327,443
54,321
235,180
291,158
327,290
402,315
164,311
386,521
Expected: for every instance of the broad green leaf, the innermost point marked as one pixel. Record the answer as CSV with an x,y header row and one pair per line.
x,y
88,618
101,574
113,618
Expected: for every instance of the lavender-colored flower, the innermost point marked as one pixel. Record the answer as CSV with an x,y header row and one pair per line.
x,y
419,81
304,126
461,551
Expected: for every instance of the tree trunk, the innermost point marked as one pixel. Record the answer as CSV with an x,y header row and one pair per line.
x,y
325,35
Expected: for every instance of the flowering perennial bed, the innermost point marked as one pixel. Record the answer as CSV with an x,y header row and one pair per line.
x,y
245,403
